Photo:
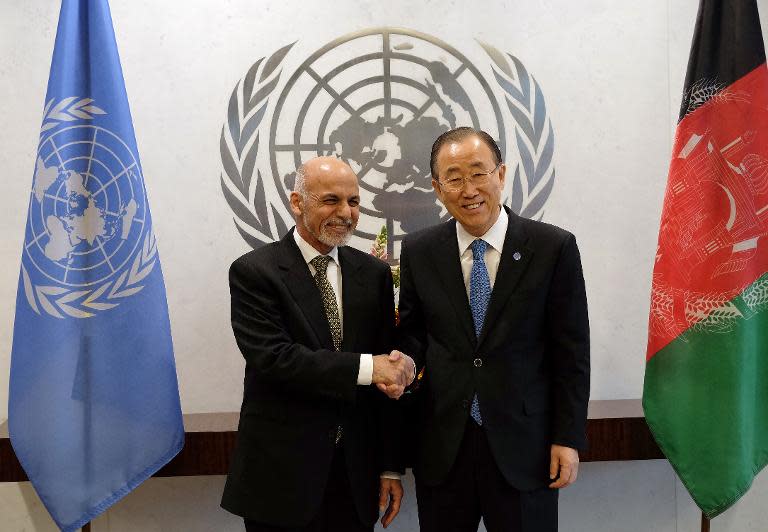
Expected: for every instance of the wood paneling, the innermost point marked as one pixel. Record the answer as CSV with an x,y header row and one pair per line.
x,y
616,431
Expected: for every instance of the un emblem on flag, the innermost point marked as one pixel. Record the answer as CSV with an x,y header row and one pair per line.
x,y
378,99
88,241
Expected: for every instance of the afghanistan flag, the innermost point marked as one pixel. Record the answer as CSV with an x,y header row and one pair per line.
x,y
706,377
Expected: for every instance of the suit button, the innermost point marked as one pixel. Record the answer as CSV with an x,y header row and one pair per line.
x,y
478,362
465,404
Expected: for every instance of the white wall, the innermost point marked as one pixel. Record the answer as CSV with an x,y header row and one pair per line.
x,y
612,74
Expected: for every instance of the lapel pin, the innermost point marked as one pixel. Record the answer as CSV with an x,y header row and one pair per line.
x,y
516,255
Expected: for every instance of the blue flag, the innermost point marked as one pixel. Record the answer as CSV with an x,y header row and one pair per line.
x,y
94,403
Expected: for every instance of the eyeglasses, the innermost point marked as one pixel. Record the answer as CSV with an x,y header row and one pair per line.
x,y
457,183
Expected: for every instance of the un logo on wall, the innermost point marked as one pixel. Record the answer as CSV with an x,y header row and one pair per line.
x,y
88,240
378,99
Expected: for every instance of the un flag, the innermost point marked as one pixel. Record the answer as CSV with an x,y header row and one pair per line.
x,y
94,403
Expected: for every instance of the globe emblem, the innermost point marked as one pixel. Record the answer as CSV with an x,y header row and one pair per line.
x,y
87,210
378,99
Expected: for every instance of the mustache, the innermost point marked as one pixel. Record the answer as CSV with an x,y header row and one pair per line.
x,y
340,222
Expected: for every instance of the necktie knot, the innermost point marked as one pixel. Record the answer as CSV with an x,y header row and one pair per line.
x,y
478,249
320,263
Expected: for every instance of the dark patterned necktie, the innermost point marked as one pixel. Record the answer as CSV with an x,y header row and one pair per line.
x,y
479,296
320,263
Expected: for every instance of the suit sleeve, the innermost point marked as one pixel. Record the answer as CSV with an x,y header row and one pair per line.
x,y
411,333
568,328
389,411
268,349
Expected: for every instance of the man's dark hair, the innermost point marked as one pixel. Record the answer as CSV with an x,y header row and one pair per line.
x,y
456,135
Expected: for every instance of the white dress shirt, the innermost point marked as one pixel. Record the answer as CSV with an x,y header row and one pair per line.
x,y
495,238
365,372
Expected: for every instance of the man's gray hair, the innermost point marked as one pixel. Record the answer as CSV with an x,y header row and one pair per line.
x,y
300,185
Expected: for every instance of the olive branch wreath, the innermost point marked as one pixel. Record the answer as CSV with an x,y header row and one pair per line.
x,y
535,175
239,146
716,312
58,301
706,89
68,110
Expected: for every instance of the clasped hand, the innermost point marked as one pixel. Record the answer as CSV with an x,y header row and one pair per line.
x,y
392,373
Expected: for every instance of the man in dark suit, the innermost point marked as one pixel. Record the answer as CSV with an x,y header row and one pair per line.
x,y
316,448
493,306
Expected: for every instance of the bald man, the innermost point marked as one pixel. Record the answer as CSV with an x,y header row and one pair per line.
x,y
316,445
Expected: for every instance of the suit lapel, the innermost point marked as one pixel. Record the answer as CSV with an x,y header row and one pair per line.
x,y
352,293
303,289
515,257
445,251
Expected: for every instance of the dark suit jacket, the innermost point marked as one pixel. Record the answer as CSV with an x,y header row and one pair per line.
x,y
297,389
530,366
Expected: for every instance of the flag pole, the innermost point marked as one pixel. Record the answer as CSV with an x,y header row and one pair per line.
x,y
87,527
704,523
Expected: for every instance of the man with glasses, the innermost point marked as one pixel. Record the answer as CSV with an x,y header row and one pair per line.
x,y
493,307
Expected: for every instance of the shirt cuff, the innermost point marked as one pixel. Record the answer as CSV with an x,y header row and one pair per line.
x,y
392,475
413,377
365,373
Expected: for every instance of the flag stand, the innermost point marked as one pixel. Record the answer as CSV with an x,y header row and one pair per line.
x,y
704,523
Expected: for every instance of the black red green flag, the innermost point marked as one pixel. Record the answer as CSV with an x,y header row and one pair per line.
x,y
706,378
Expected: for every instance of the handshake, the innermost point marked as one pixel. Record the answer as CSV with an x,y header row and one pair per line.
x,y
392,373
